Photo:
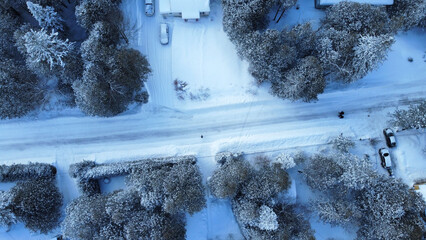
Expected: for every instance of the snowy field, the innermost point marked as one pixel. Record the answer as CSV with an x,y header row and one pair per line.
x,y
237,115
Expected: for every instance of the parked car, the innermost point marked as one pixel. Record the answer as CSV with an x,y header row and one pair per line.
x,y
164,33
149,8
386,159
390,137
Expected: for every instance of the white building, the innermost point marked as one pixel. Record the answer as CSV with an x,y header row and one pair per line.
x,y
326,3
187,9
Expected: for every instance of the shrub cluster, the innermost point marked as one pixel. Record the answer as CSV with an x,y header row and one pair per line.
x,y
159,192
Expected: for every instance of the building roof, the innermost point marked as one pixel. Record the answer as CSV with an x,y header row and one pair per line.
x,y
190,9
374,2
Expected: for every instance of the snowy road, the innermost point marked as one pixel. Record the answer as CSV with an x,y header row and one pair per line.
x,y
238,126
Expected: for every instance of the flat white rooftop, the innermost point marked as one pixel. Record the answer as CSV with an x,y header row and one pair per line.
x,y
190,9
374,2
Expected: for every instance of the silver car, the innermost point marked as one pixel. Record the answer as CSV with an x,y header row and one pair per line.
x,y
386,159
164,33
149,8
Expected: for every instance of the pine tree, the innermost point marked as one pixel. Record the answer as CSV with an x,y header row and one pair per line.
x,y
267,218
19,91
7,218
305,81
37,203
42,47
370,52
405,14
414,117
46,17
342,143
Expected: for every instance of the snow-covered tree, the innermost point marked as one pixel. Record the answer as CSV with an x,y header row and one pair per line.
x,y
405,14
382,207
370,52
303,38
112,77
46,17
89,12
7,218
357,18
267,182
267,54
19,91
38,204
176,188
413,117
42,47
342,143
353,40
390,211
267,218
305,81
285,160
227,179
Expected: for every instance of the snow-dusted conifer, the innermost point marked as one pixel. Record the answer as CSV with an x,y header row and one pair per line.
x,y
226,181
370,52
43,47
342,143
19,91
405,14
286,160
414,117
7,218
267,218
37,203
305,81
85,216
46,17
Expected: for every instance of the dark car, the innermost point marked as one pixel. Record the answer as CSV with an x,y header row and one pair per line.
x,y
390,137
386,159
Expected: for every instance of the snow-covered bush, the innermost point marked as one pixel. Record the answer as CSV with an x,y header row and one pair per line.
x,y
88,186
342,143
21,172
37,203
413,117
46,17
78,170
85,216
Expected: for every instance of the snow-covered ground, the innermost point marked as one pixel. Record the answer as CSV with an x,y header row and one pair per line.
x,y
237,116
